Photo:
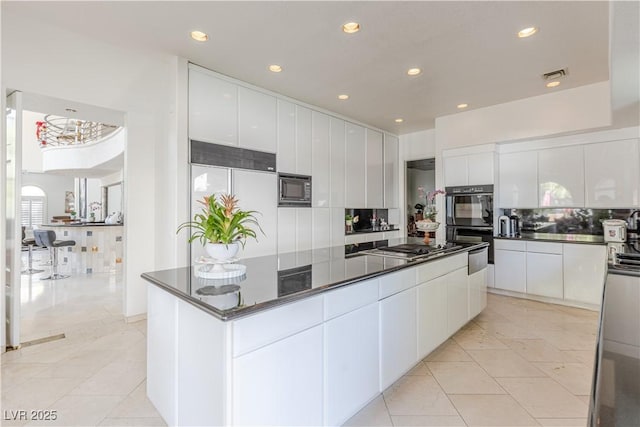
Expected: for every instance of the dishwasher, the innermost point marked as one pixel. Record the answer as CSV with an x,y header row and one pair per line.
x,y
477,260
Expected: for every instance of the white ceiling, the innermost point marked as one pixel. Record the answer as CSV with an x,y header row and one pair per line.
x,y
468,50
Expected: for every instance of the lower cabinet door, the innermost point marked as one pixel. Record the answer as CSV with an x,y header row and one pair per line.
x,y
544,275
351,363
510,270
584,272
398,336
432,315
281,383
457,300
477,292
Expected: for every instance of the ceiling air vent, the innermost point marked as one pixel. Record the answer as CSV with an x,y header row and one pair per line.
x,y
552,75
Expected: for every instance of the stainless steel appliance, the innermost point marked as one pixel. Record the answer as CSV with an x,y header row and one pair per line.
x,y
615,230
294,190
470,206
412,251
469,215
504,223
514,226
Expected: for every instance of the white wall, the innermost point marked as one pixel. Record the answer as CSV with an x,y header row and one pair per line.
x,y
31,151
55,187
137,83
571,110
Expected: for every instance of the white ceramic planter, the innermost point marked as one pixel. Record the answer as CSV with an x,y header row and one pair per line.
x,y
222,252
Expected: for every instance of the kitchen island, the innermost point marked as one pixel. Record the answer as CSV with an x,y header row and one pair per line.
x,y
98,248
306,338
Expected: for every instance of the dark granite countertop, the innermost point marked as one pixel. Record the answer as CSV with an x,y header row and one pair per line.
x,y
267,282
589,239
81,224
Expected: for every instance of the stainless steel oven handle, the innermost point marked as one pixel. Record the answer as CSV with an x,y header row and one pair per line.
x,y
461,227
477,260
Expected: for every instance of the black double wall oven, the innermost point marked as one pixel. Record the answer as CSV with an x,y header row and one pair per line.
x,y
469,214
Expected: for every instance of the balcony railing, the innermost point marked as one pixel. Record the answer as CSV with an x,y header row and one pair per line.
x,y
56,131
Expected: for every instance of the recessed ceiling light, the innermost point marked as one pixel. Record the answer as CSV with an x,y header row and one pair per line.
x,y
351,27
275,68
399,120
199,36
553,84
414,71
527,32
343,97
461,106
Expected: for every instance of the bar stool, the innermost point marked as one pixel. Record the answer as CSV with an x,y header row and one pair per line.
x,y
30,242
47,239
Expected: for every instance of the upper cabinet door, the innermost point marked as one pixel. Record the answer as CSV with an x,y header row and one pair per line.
x,y
480,169
213,109
374,178
611,174
355,166
518,180
455,171
256,120
286,158
320,154
336,165
303,140
391,166
561,177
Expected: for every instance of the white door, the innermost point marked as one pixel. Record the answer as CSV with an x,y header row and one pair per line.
x,y
355,166
432,315
374,169
205,181
13,234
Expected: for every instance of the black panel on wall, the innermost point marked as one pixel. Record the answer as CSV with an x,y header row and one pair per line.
x,y
204,153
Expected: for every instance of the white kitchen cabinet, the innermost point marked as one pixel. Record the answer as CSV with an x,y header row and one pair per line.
x,y
622,315
337,226
477,292
510,259
257,120
455,171
213,108
391,171
480,168
432,315
289,392
470,169
258,191
375,174
321,230
561,177
351,363
304,236
337,163
286,158
544,274
303,141
584,272
457,300
355,166
320,168
518,182
491,276
287,230
612,176
398,343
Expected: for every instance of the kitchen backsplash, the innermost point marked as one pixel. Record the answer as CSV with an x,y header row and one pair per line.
x,y
566,221
365,216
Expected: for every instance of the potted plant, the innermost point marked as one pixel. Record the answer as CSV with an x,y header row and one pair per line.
x,y
221,226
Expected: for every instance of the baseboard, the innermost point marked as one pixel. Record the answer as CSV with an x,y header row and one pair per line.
x,y
549,300
136,318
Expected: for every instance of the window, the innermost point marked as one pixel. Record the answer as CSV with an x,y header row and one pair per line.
x,y
33,206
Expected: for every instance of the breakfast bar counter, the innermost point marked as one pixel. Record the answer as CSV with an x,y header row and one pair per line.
x,y
306,338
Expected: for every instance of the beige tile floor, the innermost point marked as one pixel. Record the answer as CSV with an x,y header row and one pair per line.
x,y
94,376
519,363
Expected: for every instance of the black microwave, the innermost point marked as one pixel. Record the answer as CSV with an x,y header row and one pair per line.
x,y
294,190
